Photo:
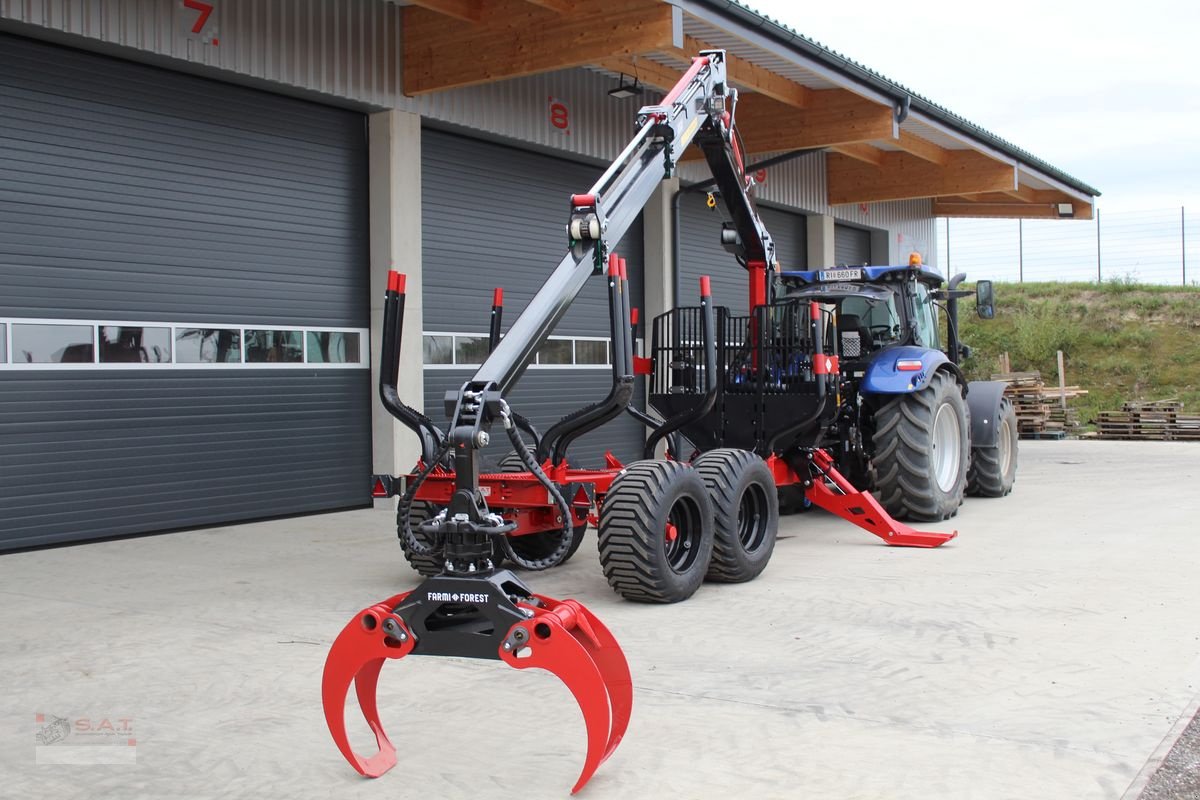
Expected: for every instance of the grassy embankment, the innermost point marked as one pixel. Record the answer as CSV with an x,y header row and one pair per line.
x,y
1122,341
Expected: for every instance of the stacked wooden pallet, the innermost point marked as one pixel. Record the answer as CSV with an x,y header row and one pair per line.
x,y
1040,410
1159,420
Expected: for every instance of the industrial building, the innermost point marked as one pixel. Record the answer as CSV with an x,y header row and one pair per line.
x,y
199,202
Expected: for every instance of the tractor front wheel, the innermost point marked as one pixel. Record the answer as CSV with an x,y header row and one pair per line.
x,y
993,470
745,513
922,447
656,532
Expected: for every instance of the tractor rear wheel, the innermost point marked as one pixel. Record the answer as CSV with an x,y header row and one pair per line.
x,y
922,447
538,546
656,532
994,469
745,513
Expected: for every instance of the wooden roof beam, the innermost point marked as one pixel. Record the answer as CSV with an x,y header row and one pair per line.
x,y
748,75
945,207
921,148
557,6
861,152
646,71
516,38
833,117
462,10
904,177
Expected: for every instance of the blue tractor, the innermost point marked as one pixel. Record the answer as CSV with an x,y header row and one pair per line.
x,y
908,425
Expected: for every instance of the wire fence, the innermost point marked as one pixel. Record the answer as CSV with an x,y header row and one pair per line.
x,y
1155,247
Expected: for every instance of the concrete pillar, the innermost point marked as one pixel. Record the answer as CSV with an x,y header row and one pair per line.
x,y
820,241
658,252
658,258
394,140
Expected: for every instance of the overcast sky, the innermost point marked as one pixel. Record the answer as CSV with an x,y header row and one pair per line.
x,y
1108,92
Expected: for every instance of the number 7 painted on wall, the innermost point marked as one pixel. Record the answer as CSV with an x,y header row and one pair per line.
x,y
203,26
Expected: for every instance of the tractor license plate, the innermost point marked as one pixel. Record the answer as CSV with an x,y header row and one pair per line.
x,y
840,275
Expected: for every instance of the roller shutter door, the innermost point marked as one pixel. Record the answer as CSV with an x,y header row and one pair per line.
x,y
494,216
701,253
149,217
851,246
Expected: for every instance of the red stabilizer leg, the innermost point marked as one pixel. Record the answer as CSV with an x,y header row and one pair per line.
x,y
357,655
863,509
566,639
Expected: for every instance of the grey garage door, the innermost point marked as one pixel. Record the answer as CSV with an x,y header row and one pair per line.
x,y
851,246
494,216
701,253
184,272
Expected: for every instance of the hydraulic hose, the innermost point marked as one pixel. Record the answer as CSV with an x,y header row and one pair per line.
x,y
409,538
531,465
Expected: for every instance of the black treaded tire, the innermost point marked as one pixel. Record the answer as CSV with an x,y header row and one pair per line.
x,y
745,513
418,512
639,559
993,470
906,461
536,546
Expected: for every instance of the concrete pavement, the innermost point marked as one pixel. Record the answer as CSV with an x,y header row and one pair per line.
x,y
1043,654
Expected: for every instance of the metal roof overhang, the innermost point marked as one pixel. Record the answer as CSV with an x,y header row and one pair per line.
x,y
883,141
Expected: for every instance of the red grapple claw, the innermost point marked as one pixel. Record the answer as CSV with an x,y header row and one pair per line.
x,y
571,642
357,655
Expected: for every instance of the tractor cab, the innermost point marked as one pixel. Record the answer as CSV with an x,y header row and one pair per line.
x,y
877,308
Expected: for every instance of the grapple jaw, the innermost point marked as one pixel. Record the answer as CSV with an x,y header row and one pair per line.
x,y
492,616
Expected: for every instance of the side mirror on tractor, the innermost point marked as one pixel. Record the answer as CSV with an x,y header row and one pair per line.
x,y
985,301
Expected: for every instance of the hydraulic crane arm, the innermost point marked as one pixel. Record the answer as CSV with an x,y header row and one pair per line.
x,y
695,110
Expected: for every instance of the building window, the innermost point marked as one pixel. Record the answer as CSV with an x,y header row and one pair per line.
x,y
470,350
53,344
591,352
556,351
438,349
46,344
123,345
333,347
274,347
208,346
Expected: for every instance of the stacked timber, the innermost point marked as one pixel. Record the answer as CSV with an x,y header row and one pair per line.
x,y
1041,413
1158,420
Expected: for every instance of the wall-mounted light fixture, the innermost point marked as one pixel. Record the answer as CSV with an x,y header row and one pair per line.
x,y
1065,210
624,89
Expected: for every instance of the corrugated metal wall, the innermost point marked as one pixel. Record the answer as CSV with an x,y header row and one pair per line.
x,y
351,51
130,192
493,216
342,49
701,253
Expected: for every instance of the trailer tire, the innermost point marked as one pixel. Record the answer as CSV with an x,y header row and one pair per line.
x,y
993,470
656,532
922,447
536,546
745,513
